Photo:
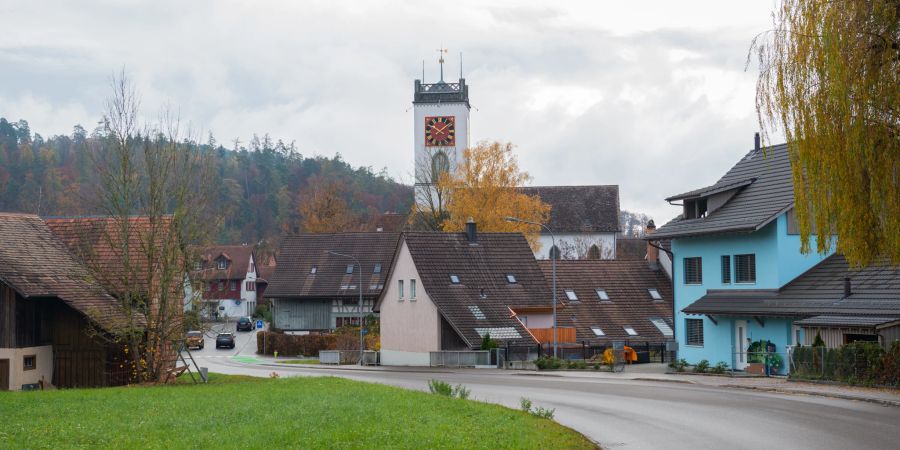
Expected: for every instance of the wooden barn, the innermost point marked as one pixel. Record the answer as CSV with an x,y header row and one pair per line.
x,y
54,319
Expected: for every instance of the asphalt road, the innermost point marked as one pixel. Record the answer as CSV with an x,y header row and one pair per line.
x,y
638,414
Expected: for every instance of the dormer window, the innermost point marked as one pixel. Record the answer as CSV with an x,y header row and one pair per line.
x,y
695,208
454,279
602,295
222,264
654,294
510,278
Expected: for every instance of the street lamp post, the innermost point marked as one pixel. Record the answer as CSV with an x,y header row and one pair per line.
x,y
358,264
554,254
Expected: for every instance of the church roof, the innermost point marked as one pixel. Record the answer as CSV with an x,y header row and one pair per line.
x,y
578,209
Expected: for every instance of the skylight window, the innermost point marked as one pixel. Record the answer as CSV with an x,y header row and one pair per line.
x,y
601,294
654,294
377,268
598,331
663,327
454,279
312,270
630,331
510,278
349,269
476,311
570,294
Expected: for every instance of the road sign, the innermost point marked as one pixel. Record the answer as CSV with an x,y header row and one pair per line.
x,y
259,324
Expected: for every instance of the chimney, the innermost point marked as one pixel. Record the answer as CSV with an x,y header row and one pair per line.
x,y
471,231
847,290
756,143
652,252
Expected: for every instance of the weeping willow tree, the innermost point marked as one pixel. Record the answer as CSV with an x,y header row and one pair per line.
x,y
830,79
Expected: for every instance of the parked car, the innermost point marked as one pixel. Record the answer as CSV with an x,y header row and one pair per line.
x,y
225,340
194,339
245,324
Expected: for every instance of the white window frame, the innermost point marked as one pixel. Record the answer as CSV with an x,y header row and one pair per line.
x,y
400,290
412,289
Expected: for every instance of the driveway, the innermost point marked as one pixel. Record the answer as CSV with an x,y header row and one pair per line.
x,y
635,414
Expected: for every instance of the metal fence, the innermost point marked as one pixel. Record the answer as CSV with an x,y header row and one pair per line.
x,y
465,358
646,352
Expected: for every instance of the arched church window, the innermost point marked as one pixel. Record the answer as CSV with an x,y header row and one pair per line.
x,y
554,252
593,252
439,164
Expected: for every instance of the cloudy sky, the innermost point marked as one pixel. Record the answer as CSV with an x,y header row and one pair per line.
x,y
652,96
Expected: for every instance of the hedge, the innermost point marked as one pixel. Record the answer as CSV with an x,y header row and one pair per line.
x,y
268,342
857,363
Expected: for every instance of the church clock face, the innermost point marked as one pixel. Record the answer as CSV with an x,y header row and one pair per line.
x,y
440,131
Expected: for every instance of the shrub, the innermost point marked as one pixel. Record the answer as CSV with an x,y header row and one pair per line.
x,y
720,368
818,342
267,342
548,363
702,366
263,312
576,364
544,413
679,365
487,343
890,367
460,391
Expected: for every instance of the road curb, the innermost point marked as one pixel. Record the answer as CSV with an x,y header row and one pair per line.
x,y
878,401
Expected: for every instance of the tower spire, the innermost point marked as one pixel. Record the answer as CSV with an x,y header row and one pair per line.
x,y
441,52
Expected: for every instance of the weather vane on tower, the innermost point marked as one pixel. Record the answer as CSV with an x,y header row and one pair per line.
x,y
441,52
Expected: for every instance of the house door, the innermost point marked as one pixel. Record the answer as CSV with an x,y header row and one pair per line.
x,y
4,374
740,344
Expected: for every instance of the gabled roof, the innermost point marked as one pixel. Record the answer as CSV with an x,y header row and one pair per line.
x,y
35,263
764,189
300,253
875,291
238,257
577,209
97,243
482,266
631,248
626,282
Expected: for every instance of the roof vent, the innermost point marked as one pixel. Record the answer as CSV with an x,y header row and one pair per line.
x,y
847,290
471,231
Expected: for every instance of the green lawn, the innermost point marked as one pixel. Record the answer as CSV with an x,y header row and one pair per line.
x,y
299,361
243,412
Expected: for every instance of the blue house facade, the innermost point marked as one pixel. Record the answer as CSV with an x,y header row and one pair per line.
x,y
733,248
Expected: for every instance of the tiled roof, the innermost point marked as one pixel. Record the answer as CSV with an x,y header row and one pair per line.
x,y
96,241
300,253
764,189
482,269
626,282
576,209
36,263
238,257
875,291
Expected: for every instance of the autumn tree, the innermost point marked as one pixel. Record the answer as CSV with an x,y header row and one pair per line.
x,y
485,187
154,185
830,79
323,208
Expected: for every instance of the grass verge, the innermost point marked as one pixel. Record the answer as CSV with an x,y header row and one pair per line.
x,y
245,412
299,361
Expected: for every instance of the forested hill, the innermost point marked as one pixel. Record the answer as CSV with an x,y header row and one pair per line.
x,y
259,185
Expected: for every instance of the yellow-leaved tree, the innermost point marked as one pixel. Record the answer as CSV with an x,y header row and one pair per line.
x,y
485,187
830,78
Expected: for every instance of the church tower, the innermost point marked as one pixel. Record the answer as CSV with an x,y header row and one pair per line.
x,y
441,128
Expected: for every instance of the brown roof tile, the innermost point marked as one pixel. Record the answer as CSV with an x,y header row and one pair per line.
x,y
626,282
36,263
576,209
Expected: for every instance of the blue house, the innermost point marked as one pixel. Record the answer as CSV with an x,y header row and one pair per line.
x,y
736,244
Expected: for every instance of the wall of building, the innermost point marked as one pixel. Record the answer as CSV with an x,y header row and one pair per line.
x,y
421,154
410,328
536,320
578,244
833,337
43,370
778,261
